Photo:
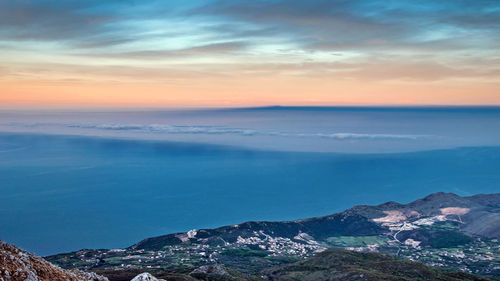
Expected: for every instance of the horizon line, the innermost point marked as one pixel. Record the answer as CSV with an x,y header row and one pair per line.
x,y
256,107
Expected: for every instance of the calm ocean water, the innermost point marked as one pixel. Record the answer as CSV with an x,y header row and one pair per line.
x,y
71,180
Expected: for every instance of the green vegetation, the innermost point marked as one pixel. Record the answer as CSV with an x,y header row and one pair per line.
x,y
245,253
449,239
349,265
446,226
328,265
355,241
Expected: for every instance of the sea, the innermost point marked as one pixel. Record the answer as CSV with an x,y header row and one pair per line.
x,y
108,178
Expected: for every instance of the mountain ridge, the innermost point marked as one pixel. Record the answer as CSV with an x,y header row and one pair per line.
x,y
441,229
429,199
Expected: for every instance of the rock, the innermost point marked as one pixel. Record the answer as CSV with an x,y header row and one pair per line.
x,y
146,277
19,265
214,271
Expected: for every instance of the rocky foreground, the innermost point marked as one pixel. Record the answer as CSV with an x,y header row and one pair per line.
x,y
19,265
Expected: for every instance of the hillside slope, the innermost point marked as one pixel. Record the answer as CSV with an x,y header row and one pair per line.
x,y
476,214
19,265
353,266
329,265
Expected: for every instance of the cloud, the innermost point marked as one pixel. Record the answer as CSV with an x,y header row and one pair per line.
x,y
340,24
309,24
427,40
167,129
354,136
47,20
82,24
219,130
315,20
203,50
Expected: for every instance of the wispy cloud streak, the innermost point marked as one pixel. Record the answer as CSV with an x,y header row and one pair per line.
x,y
219,130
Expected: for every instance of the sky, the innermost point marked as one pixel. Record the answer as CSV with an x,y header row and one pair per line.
x,y
246,53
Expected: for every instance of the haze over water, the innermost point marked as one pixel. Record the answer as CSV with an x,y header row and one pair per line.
x,y
72,180
307,129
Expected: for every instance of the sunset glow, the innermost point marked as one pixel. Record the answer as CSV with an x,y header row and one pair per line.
x,y
244,53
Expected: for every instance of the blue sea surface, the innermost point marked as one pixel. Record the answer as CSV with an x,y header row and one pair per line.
x,y
109,179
